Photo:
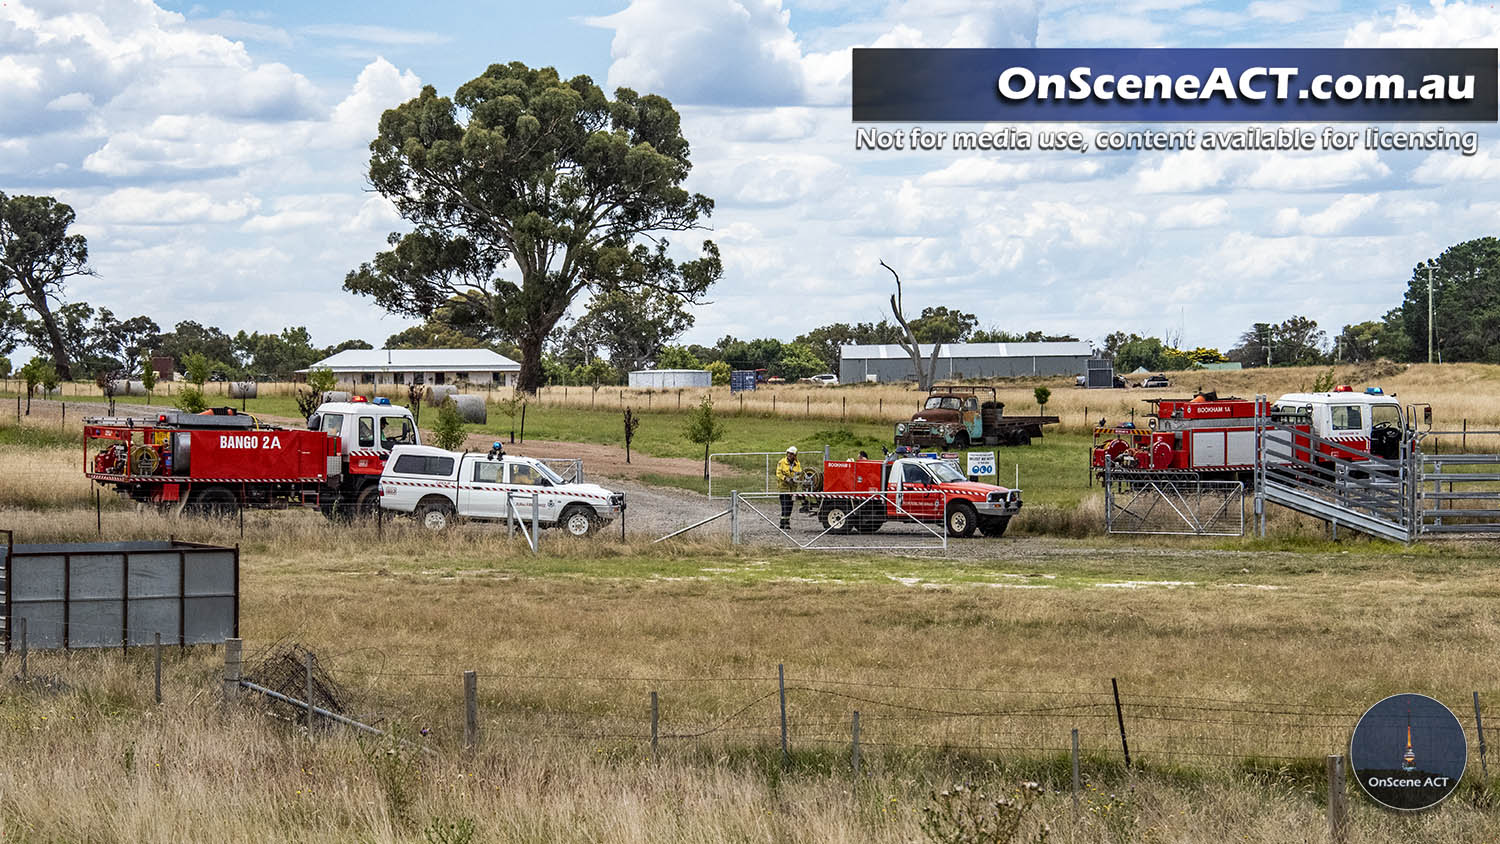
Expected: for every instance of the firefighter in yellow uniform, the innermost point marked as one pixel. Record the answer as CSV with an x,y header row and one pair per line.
x,y
786,470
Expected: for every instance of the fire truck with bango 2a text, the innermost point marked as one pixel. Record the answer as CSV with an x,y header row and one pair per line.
x,y
219,461
1215,437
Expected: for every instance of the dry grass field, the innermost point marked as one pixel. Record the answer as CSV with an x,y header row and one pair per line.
x,y
949,661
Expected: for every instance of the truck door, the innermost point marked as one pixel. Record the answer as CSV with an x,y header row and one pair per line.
x,y
480,492
525,483
973,422
915,494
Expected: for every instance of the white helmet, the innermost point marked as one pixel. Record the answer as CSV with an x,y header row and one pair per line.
x,y
791,449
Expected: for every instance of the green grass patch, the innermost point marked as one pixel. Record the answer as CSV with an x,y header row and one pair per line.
x,y
30,436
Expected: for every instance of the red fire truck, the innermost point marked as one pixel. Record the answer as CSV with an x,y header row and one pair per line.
x,y
925,489
219,461
1216,437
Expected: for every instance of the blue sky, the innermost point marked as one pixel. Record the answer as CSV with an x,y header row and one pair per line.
x,y
215,153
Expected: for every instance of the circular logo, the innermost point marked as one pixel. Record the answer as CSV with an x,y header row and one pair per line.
x,y
1408,752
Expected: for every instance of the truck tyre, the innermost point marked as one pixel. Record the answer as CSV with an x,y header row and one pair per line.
x,y
215,502
434,513
367,502
578,520
994,526
961,440
961,519
835,516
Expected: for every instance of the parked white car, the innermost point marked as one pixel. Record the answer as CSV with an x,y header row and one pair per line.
x,y
827,379
435,486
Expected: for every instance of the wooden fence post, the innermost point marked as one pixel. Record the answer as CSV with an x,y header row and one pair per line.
x,y
1479,728
23,648
1120,715
854,747
1077,786
232,669
157,647
1338,801
655,722
781,685
309,664
471,710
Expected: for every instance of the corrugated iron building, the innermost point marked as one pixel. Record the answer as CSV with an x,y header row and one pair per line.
x,y
964,360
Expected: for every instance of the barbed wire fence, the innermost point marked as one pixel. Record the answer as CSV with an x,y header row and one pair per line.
x,y
771,710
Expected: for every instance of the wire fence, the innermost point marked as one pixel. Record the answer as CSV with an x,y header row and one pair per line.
x,y
423,698
517,700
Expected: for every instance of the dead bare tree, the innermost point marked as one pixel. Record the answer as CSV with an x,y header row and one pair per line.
x,y
925,374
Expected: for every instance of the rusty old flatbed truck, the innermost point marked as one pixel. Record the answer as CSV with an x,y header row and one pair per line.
x,y
955,417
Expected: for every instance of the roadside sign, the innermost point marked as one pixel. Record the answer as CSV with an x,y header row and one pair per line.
x,y
981,463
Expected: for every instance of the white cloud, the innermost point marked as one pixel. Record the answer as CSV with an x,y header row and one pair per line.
x,y
1194,215
1182,172
1449,25
1335,219
989,171
745,52
707,51
1446,168
1320,171
150,207
1288,11
380,86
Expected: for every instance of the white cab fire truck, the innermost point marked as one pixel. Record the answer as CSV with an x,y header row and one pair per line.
x,y
1215,437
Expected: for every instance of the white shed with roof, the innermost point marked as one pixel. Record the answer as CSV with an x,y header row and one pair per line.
x,y
478,367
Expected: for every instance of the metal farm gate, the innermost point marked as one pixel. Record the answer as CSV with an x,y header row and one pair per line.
x,y
1177,503
1458,493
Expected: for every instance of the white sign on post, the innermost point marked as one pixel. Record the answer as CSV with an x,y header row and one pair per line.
x,y
981,463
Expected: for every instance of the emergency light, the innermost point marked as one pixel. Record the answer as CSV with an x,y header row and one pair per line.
x,y
382,401
357,399
1374,391
1343,388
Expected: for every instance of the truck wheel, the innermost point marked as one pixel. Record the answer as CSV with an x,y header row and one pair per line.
x,y
367,502
578,520
216,502
994,527
835,516
435,514
961,440
962,519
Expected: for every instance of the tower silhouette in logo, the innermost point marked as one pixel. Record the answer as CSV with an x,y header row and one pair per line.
x,y
1409,758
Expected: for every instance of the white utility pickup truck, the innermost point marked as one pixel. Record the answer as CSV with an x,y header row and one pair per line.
x,y
434,486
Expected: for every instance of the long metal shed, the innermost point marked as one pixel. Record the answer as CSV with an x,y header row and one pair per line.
x,y
118,594
887,363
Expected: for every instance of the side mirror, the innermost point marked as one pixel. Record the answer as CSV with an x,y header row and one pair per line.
x,y
1427,416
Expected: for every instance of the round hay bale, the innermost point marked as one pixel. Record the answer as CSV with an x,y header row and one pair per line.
x,y
438,393
128,388
336,395
242,389
472,408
